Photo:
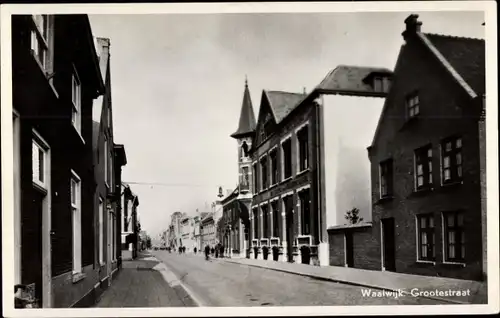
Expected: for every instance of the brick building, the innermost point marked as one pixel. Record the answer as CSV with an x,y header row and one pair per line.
x,y
427,164
108,161
55,78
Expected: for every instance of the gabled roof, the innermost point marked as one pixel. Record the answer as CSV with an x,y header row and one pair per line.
x,y
247,117
282,103
463,57
350,80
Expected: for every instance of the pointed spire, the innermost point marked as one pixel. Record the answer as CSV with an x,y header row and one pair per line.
x,y
247,116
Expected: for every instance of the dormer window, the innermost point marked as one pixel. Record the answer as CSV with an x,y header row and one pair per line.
x,y
378,83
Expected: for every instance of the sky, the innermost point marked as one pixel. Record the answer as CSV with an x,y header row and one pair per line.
x,y
178,81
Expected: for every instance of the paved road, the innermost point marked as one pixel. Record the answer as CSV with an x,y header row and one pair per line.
x,y
219,283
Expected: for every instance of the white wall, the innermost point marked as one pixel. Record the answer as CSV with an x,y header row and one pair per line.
x,y
349,126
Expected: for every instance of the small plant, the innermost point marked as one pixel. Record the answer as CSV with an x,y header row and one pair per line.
x,y
353,216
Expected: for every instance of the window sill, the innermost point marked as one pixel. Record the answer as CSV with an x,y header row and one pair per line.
x,y
79,134
384,199
454,264
44,72
452,184
302,172
77,276
426,262
285,180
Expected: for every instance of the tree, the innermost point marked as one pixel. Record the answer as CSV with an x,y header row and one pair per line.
x,y
353,216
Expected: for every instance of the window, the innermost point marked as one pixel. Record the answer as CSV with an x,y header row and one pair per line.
x,y
265,220
276,218
454,236
111,177
40,39
39,155
426,237
77,227
452,160
386,178
255,223
101,232
244,182
378,84
106,154
255,179
264,172
303,142
273,155
287,158
423,166
305,210
413,105
76,97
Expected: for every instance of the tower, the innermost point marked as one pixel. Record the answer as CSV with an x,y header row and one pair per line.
x,y
244,136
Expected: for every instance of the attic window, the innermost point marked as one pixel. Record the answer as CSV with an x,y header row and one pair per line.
x,y
413,105
378,83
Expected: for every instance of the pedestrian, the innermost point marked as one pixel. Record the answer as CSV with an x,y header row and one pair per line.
x,y
207,252
212,250
195,250
221,250
216,252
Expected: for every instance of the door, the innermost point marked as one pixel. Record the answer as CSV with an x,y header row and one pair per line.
x,y
289,227
349,253
32,272
388,241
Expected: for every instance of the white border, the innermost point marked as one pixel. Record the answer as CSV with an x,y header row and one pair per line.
x,y
492,164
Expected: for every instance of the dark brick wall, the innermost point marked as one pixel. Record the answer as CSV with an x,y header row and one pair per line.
x,y
366,250
445,110
47,109
295,119
336,245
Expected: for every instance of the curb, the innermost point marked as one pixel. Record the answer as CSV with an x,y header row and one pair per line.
x,y
183,292
346,282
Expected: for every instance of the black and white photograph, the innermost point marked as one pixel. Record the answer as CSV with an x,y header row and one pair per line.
x,y
243,159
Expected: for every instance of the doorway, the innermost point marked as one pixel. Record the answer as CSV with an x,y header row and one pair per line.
x,y
349,253
289,226
388,245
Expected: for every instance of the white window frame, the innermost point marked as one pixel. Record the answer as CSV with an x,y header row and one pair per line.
x,y
76,212
41,40
282,158
38,142
76,98
106,154
297,132
101,231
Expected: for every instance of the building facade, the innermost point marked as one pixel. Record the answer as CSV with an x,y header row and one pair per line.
x,y
232,232
427,165
426,158
55,60
108,161
131,226
208,231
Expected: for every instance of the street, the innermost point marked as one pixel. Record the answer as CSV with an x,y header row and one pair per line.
x,y
219,283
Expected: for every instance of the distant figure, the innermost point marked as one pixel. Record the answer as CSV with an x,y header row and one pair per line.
x,y
221,250
207,252
212,250
180,249
195,250
216,252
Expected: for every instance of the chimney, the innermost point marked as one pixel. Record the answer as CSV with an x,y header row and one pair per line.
x,y
412,26
304,91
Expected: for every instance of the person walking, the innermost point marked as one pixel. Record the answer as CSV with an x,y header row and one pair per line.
x,y
207,252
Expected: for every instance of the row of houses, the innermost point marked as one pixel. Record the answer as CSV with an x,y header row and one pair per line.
x,y
419,181
193,232
67,167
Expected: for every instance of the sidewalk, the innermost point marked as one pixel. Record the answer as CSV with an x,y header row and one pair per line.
x,y
379,280
141,283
